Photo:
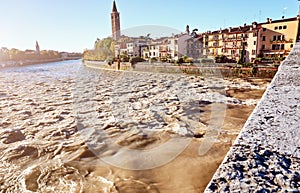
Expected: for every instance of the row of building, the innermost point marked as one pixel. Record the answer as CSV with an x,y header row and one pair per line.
x,y
165,48
248,42
270,39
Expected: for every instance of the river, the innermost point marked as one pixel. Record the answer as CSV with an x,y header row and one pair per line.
x,y
67,128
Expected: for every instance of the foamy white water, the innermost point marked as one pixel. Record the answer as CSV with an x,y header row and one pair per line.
x,y
43,149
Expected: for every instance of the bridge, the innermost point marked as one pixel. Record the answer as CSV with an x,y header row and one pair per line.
x,y
266,155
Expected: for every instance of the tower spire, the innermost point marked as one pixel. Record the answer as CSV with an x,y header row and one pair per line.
x,y
114,7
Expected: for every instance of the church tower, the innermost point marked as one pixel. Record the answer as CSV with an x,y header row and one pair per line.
x,y
115,22
37,48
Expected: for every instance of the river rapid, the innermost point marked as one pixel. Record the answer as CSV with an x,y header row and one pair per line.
x,y
67,128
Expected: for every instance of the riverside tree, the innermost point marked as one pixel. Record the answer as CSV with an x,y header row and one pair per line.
x,y
103,50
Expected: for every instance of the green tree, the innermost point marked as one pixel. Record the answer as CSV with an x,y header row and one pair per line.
x,y
103,50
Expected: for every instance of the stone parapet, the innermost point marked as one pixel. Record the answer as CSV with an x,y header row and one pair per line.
x,y
266,155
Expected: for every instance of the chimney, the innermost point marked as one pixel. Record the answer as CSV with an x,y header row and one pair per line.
x,y
268,20
230,28
282,17
245,24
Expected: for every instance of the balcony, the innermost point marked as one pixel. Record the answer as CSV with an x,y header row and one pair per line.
x,y
231,39
282,41
215,46
234,46
214,39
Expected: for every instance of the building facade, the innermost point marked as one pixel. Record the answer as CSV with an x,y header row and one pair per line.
x,y
278,37
272,39
234,43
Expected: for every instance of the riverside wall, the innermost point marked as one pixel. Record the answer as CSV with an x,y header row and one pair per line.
x,y
31,62
266,155
222,69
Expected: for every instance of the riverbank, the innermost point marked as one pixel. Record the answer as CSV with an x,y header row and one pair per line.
x,y
221,69
19,63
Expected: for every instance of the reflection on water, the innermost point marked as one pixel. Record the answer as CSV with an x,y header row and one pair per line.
x,y
42,149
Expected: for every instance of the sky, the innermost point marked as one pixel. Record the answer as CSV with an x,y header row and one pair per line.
x,y
74,25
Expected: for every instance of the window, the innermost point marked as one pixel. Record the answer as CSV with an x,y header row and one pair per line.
x,y
278,37
283,37
274,47
263,47
254,43
280,27
253,52
282,46
254,35
274,38
285,27
264,29
232,52
276,28
292,45
278,47
264,38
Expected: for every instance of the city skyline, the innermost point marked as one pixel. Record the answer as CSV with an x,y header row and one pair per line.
x,y
75,26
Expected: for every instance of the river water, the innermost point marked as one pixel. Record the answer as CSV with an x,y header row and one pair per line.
x,y
67,128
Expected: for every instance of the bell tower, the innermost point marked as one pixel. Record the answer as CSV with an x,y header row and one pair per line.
x,y
115,22
37,48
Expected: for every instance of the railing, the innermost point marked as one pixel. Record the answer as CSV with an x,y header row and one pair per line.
x,y
214,39
235,38
282,41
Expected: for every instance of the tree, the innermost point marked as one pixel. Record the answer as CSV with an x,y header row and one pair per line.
x,y
4,54
14,54
103,50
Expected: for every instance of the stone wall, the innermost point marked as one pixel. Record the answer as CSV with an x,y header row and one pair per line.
x,y
222,69
266,155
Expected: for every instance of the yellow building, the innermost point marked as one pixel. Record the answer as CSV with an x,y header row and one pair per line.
x,y
278,37
212,43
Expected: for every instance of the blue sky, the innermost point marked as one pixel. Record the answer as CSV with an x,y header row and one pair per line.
x,y
73,25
